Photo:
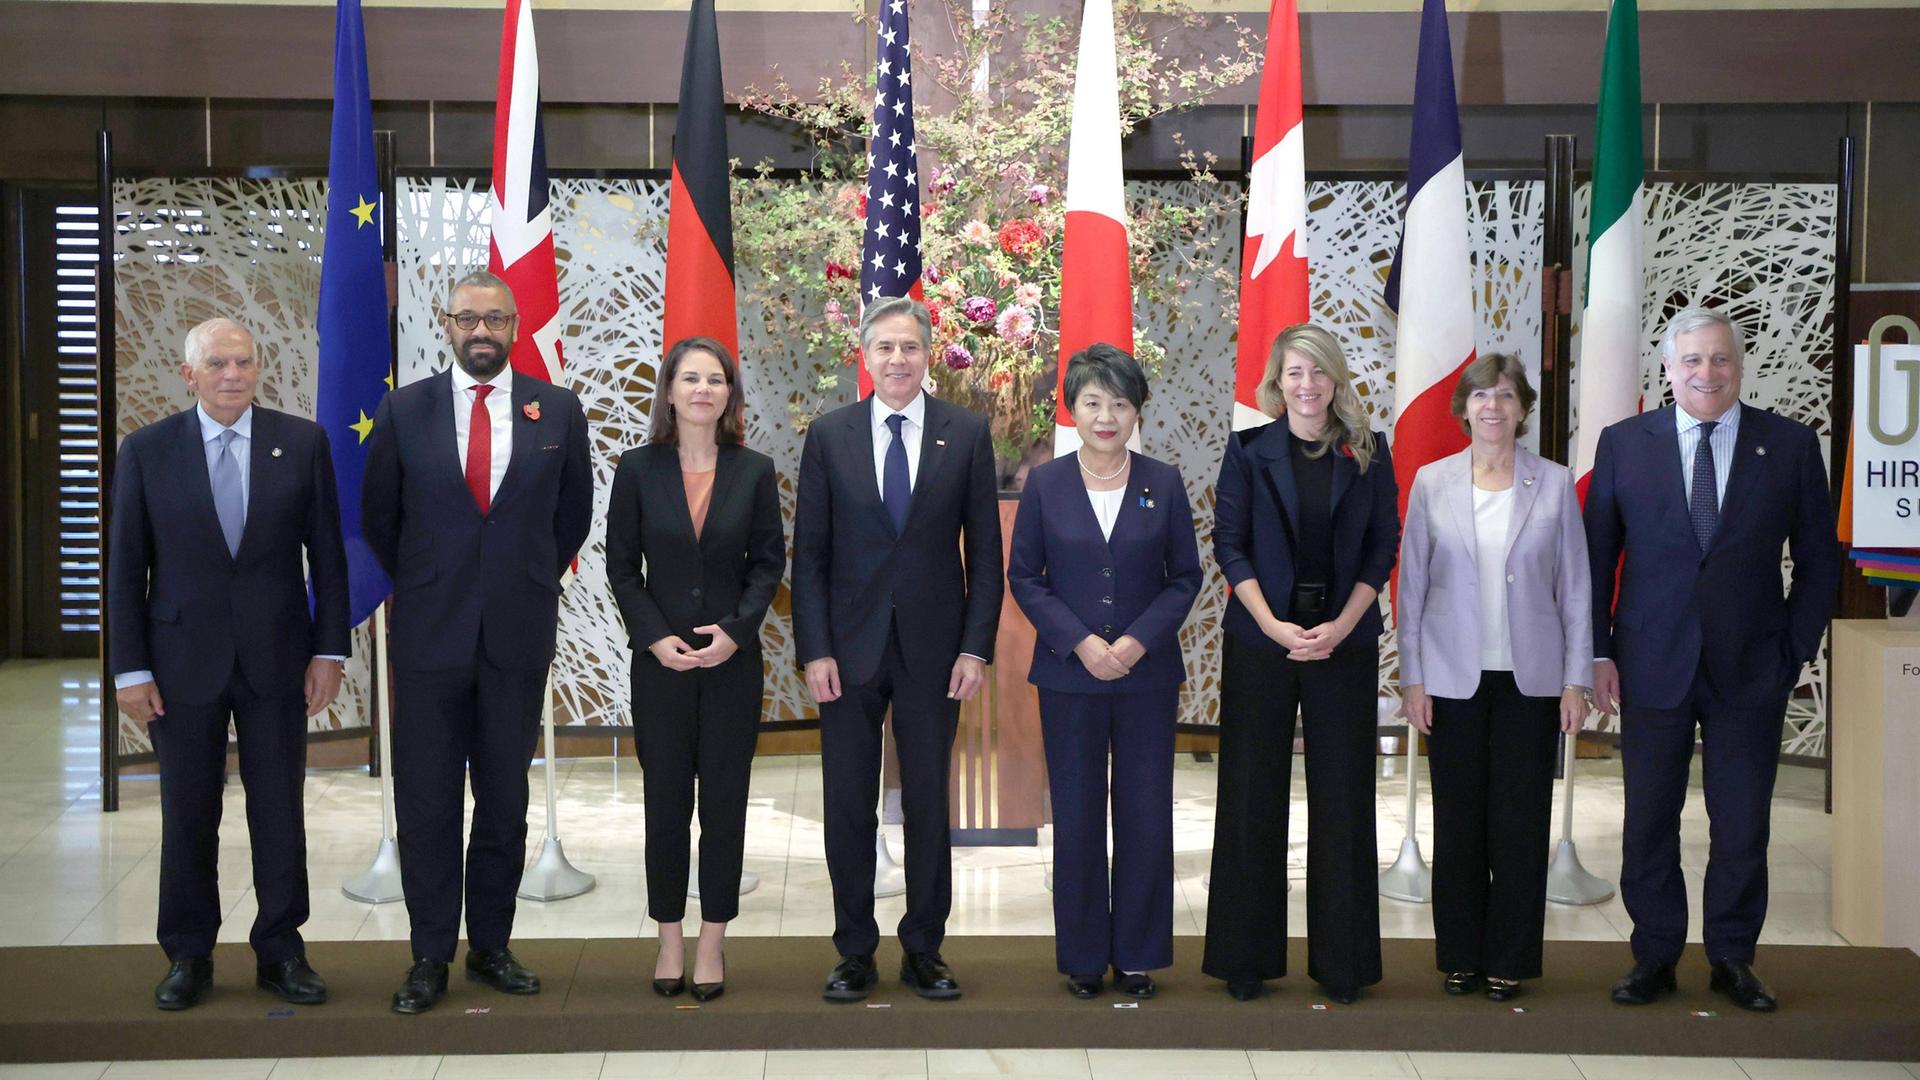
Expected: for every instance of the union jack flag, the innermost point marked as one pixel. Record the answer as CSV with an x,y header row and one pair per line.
x,y
890,250
521,249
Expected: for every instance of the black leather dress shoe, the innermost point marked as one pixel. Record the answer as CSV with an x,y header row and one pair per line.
x,y
293,981
498,969
1084,986
186,983
1735,978
1463,982
1342,995
853,978
1503,989
1644,983
1135,984
929,976
1245,989
426,984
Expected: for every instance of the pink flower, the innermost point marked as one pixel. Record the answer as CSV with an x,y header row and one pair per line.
x,y
1027,296
976,232
1015,325
979,309
1038,194
943,181
957,357
834,312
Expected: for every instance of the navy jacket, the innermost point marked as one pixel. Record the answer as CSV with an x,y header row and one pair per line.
x,y
851,574
180,606
1255,506
461,580
666,580
1071,581
1670,594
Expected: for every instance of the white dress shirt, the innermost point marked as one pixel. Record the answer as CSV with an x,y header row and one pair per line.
x,y
210,432
499,407
910,432
1492,514
1724,438
1106,508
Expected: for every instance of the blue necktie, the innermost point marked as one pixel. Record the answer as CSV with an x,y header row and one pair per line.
x,y
229,500
896,490
1703,503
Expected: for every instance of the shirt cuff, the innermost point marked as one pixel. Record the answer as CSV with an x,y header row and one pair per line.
x,y
132,678
341,659
982,659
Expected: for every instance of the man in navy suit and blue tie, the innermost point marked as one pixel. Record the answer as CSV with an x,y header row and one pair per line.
x,y
478,494
220,514
896,600
1688,512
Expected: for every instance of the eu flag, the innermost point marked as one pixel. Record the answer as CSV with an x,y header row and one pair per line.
x,y
356,354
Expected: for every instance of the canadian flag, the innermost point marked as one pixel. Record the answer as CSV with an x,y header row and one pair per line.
x,y
1096,289
521,251
1273,261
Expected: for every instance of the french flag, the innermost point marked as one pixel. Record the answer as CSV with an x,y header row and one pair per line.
x,y
1096,291
521,249
1273,260
1430,286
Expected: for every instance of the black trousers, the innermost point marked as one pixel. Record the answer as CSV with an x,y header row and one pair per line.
x,y
1492,761
1260,693
1119,916
924,721
692,727
190,743
1739,757
479,722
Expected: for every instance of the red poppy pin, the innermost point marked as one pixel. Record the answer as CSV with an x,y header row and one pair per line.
x,y
532,409
1346,450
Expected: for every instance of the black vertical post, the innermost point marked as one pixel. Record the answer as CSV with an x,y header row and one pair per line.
x,y
386,176
108,412
1556,286
1840,419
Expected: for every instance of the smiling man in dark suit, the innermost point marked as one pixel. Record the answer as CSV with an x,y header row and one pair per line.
x,y
1688,511
896,599
478,494
215,510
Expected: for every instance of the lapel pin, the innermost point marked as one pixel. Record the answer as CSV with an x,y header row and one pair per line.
x,y
1146,498
532,409
276,451
939,442
1761,450
1528,482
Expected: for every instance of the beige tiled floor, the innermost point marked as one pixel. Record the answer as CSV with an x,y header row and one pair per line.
x,y
71,874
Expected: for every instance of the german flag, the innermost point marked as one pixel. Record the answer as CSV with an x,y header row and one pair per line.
x,y
700,298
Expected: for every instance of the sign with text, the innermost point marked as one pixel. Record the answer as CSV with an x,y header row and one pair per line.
x,y
1886,438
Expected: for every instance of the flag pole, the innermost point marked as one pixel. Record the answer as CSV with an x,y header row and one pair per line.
x,y
1409,878
380,882
1568,882
552,877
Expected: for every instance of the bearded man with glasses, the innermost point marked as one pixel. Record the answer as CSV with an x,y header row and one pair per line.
x,y
478,494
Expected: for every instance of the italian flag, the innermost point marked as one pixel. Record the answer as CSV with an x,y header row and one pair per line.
x,y
1610,327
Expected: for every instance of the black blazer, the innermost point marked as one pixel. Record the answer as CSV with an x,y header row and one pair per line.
x,y
851,573
1670,594
1071,581
1256,505
179,606
667,582
455,572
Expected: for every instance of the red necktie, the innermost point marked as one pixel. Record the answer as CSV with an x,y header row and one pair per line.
x,y
480,450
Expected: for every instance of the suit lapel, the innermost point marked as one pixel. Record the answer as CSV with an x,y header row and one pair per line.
x,y
1273,446
933,455
1664,427
1344,473
726,472
199,486
1526,489
1459,500
859,433
262,477
527,431
1749,448
440,432
669,489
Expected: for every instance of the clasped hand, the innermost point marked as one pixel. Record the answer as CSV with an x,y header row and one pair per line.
x,y
1108,662
676,655
1309,643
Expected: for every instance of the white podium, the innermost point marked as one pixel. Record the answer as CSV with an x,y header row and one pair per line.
x,y
1875,730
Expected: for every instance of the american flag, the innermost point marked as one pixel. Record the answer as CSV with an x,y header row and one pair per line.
x,y
890,251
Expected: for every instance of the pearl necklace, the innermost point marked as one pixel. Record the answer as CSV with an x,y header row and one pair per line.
x,y
1124,462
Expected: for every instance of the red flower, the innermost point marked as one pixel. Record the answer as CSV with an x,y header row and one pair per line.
x,y
862,214
1022,237
934,313
999,380
835,270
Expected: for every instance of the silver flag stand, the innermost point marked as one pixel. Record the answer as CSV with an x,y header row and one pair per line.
x,y
889,879
1409,878
552,877
1568,882
380,882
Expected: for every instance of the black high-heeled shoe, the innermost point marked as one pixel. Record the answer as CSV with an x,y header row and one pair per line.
x,y
669,987
705,992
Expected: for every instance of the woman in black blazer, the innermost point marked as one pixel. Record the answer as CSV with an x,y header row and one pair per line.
x,y
1105,565
694,554
1306,529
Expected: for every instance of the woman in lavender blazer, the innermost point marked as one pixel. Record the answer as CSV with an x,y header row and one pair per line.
x,y
1496,645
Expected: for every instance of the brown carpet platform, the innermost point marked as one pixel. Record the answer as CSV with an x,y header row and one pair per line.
x,y
95,1003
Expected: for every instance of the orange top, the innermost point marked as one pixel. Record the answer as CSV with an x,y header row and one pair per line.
x,y
699,496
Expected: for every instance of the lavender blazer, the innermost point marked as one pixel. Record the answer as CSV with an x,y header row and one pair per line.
x,y
1549,604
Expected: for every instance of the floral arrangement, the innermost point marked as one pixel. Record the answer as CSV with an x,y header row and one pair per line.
x,y
993,161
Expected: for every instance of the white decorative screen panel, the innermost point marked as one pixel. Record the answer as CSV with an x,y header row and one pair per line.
x,y
1763,254
189,250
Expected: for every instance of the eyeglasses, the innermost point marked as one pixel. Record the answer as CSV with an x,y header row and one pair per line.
x,y
467,320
